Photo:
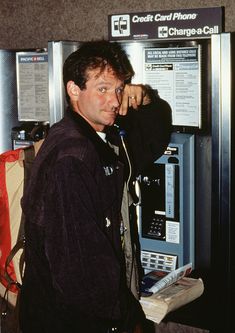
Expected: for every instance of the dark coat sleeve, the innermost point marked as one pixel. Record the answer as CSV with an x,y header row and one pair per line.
x,y
148,131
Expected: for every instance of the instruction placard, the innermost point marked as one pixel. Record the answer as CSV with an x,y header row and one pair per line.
x,y
32,86
175,74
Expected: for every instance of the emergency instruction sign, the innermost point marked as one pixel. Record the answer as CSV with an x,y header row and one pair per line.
x,y
169,24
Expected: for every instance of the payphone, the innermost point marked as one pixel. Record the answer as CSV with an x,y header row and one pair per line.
x,y
166,212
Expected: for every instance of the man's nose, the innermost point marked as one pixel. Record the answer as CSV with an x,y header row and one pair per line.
x,y
115,99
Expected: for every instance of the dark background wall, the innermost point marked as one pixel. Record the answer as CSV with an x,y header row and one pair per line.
x,y
32,23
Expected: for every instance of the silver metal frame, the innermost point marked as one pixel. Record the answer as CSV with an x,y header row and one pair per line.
x,y
221,62
8,98
221,128
58,51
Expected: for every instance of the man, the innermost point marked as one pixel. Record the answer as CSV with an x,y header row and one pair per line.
x,y
81,266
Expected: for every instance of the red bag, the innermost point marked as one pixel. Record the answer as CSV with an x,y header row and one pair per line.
x,y
15,166
11,191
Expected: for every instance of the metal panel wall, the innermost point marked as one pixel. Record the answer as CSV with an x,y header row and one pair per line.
x,y
222,177
8,98
58,51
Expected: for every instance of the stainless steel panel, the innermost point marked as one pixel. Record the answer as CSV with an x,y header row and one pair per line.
x,y
58,51
8,98
222,218
221,136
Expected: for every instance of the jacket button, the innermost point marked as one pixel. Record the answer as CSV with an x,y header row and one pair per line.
x,y
108,222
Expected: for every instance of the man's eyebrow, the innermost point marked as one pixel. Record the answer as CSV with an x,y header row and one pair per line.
x,y
100,83
103,81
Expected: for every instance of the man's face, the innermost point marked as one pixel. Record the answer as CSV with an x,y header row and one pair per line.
x,y
100,101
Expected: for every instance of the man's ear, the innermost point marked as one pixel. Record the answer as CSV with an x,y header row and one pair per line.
x,y
73,90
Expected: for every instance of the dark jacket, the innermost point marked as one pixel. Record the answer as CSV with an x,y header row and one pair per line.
x,y
75,275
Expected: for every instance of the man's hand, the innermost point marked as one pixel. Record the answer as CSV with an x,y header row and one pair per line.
x,y
134,95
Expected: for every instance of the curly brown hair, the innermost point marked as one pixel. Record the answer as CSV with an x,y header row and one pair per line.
x,y
96,54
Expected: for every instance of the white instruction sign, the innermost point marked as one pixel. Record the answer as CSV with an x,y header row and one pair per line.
x,y
32,86
172,232
175,74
